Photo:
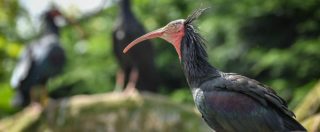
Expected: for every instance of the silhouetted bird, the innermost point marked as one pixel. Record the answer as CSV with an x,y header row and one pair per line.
x,y
40,60
228,102
137,70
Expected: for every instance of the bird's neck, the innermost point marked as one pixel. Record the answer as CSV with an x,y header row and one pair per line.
x,y
196,67
125,9
51,27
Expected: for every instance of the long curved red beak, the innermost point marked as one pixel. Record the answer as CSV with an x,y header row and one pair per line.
x,y
151,35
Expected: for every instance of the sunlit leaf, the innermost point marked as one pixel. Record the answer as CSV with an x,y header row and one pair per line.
x,y
13,50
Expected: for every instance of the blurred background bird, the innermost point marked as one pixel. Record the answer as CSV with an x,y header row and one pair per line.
x,y
138,69
41,60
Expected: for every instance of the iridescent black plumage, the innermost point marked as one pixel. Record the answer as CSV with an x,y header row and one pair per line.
x,y
141,57
40,60
228,101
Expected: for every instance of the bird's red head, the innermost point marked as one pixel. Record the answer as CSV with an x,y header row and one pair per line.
x,y
173,32
54,12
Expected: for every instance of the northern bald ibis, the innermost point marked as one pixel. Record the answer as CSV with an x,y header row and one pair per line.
x,y
228,102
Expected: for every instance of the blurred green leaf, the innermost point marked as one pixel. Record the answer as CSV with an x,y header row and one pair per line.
x,y
13,50
6,93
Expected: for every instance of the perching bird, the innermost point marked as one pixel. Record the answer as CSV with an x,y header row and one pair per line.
x,y
137,70
228,102
40,60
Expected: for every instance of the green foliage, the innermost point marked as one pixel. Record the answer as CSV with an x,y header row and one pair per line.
x,y
5,94
91,66
182,95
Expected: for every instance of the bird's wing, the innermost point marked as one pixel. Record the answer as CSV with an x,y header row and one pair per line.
x,y
235,103
258,91
22,68
226,110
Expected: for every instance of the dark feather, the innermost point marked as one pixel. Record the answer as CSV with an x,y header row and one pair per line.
x,y
234,112
256,90
194,16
